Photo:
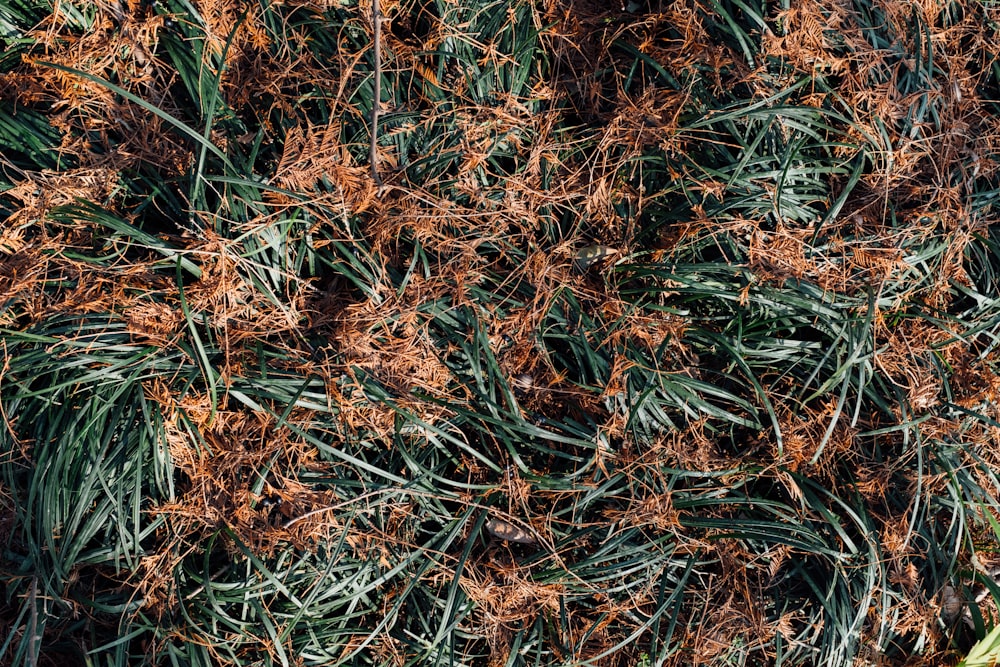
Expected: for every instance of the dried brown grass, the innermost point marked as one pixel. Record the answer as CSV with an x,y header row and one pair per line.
x,y
386,335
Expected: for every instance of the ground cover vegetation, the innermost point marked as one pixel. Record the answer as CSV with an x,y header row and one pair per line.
x,y
661,334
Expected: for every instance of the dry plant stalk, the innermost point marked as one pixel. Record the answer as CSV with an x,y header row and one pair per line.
x,y
377,19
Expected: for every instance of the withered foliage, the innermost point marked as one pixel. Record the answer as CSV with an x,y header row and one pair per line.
x,y
258,410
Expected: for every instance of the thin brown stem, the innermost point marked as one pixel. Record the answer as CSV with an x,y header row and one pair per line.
x,y
376,104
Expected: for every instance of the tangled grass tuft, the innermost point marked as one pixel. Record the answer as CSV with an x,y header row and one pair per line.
x,y
669,338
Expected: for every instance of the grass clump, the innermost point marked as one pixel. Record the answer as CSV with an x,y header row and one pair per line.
x,y
668,337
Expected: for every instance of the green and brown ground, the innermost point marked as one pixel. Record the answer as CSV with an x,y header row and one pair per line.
x,y
698,301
